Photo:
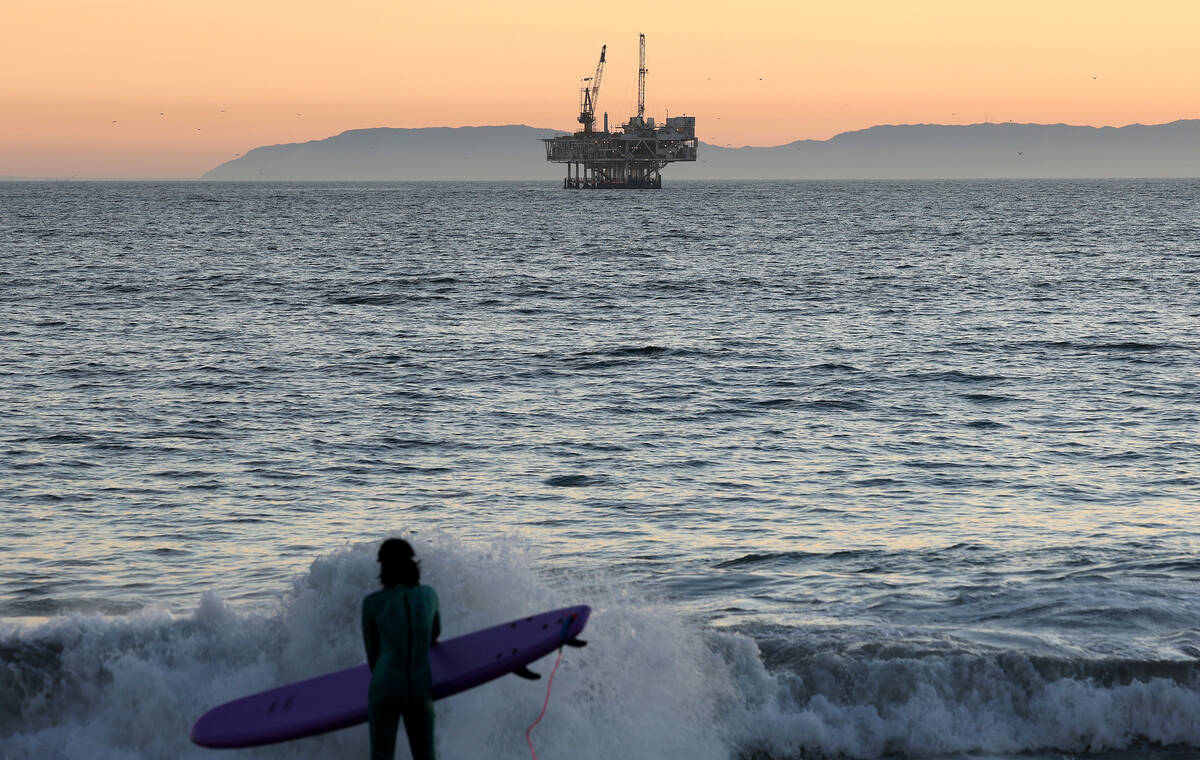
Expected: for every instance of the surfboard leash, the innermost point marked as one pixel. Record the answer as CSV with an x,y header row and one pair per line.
x,y
549,684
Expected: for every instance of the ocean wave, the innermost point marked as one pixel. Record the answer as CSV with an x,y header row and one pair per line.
x,y
574,481
650,685
385,299
894,701
131,685
958,376
1085,344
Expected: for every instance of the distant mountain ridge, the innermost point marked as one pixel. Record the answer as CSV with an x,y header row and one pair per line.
x,y
908,151
386,153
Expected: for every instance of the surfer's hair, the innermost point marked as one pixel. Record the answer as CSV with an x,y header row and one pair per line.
x,y
397,565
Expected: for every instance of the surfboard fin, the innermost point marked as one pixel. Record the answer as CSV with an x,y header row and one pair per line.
x,y
525,672
577,643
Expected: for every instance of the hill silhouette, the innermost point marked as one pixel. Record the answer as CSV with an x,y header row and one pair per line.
x,y
910,151
385,153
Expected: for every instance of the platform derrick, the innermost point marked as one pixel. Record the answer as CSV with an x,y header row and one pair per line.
x,y
631,157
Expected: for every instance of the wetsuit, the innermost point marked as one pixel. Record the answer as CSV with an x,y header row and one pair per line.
x,y
399,623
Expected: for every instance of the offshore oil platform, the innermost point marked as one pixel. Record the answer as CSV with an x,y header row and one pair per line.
x,y
630,158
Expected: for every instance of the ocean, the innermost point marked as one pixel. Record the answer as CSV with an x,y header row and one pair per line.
x,y
845,469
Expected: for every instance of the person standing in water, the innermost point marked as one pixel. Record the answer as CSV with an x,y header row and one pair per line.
x,y
399,624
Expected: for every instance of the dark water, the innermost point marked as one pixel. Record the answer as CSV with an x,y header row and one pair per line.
x,y
846,469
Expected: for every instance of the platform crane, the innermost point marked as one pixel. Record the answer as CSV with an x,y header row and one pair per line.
x,y
589,95
641,77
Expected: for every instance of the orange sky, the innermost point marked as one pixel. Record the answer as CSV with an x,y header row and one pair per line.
x,y
171,88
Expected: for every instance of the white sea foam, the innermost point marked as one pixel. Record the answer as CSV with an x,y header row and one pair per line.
x,y
648,686
101,687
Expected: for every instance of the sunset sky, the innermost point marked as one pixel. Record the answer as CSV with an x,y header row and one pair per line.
x,y
134,88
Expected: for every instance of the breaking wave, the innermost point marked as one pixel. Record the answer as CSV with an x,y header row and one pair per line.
x,y
650,685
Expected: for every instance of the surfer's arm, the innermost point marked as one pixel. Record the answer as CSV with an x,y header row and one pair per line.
x,y
437,627
370,640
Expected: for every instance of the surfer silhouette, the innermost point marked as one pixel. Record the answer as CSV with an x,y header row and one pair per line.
x,y
399,623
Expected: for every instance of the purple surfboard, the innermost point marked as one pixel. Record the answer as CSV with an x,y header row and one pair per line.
x,y
338,700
